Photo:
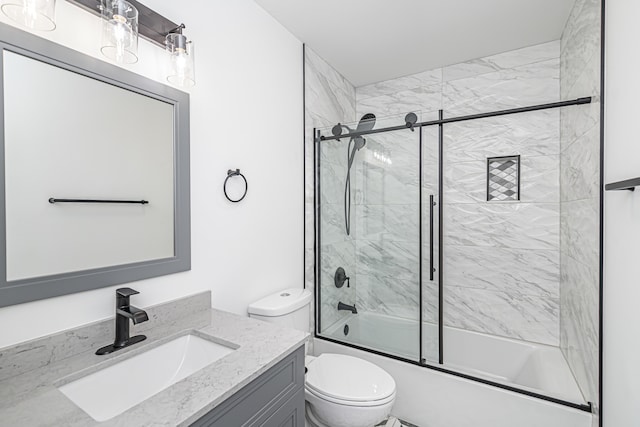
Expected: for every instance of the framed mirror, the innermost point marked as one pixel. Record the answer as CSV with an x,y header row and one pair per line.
x,y
95,173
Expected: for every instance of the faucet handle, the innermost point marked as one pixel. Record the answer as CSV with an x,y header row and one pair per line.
x,y
126,292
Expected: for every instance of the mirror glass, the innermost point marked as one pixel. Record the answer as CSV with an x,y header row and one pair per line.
x,y
95,186
69,136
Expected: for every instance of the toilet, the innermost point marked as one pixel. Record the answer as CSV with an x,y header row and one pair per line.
x,y
340,390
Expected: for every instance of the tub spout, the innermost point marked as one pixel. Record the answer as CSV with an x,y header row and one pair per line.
x,y
351,308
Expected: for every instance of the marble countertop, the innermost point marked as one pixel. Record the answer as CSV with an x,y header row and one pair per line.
x,y
31,398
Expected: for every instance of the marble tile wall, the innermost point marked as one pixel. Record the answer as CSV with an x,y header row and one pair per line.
x,y
579,197
330,99
501,258
388,213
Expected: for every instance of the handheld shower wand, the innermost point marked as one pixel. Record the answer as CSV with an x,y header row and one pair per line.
x,y
366,123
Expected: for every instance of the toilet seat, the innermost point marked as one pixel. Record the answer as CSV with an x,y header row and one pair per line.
x,y
350,381
363,404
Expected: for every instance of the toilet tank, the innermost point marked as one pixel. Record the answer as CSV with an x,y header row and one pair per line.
x,y
288,308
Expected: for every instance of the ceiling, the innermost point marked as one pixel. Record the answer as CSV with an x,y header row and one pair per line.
x,y
375,40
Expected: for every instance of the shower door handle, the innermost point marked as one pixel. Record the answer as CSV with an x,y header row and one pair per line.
x,y
431,205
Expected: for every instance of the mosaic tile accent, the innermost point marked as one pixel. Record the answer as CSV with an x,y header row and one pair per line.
x,y
503,178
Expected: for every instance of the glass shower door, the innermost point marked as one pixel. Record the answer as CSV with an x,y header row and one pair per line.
x,y
377,200
430,295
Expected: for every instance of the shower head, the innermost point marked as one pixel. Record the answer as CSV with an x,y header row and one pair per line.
x,y
366,123
410,120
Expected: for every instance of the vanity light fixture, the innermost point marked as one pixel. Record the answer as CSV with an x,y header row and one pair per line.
x,y
181,70
124,20
119,31
34,14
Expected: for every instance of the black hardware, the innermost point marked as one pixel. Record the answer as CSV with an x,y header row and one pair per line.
x,y
629,184
347,307
346,330
317,230
579,101
151,25
420,237
440,238
410,120
53,200
231,173
603,40
340,277
337,130
431,205
124,312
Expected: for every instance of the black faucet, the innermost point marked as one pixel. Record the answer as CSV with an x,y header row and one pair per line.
x,y
351,308
124,312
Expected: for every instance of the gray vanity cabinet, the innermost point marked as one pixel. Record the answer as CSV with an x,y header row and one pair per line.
x,y
274,399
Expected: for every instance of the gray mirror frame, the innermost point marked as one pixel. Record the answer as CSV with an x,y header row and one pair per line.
x,y
37,288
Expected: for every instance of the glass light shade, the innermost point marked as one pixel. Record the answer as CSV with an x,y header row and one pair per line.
x,y
120,31
181,60
35,14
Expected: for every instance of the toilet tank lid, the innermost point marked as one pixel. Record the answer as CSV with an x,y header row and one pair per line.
x,y
281,303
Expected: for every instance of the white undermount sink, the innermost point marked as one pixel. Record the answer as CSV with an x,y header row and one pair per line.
x,y
111,391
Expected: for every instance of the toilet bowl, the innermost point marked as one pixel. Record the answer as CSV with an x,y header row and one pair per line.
x,y
340,390
345,391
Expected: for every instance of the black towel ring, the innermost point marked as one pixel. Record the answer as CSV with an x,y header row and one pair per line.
x,y
231,173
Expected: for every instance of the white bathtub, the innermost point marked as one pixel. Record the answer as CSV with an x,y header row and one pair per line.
x,y
534,367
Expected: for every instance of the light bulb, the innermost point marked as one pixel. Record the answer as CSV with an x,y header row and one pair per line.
x,y
120,32
122,35
181,60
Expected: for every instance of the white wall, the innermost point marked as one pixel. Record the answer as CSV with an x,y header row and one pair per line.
x,y
622,217
246,112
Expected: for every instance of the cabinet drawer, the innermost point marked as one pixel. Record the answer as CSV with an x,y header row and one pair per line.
x,y
255,403
291,414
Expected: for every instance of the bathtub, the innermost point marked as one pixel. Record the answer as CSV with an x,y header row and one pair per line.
x,y
533,367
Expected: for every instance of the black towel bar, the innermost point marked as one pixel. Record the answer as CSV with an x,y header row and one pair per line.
x,y
629,184
54,200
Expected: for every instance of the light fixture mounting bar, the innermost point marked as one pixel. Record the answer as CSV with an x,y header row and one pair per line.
x,y
151,25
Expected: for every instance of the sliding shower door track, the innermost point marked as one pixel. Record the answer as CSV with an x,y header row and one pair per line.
x,y
586,407
441,121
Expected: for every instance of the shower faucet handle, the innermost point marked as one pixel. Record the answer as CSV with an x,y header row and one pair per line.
x,y
340,277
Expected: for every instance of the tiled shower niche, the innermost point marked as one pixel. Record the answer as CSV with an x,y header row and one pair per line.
x,y
503,178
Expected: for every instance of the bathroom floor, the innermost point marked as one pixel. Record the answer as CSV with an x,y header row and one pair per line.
x,y
389,422
395,422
